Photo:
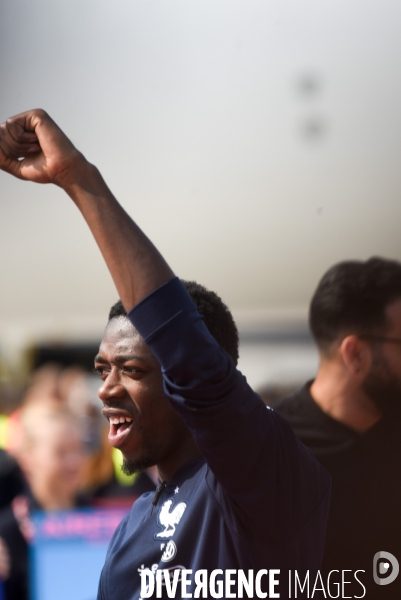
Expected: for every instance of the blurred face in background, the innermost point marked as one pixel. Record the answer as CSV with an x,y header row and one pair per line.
x,y
53,459
383,382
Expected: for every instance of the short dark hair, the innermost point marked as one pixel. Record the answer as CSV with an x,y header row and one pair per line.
x,y
352,297
217,316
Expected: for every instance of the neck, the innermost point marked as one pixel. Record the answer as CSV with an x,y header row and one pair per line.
x,y
343,399
186,452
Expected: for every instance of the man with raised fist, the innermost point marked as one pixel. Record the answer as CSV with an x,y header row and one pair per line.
x,y
238,491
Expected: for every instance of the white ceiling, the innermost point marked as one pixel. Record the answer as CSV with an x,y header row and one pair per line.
x,y
256,142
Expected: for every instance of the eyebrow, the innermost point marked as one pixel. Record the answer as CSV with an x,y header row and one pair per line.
x,y
122,358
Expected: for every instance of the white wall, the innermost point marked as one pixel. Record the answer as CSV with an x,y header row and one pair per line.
x,y
196,113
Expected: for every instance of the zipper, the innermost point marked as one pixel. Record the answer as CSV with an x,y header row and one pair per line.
x,y
158,493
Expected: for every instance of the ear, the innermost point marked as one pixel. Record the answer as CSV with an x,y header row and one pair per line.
x,y
356,355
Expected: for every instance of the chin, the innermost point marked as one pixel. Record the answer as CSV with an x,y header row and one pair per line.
x,y
130,467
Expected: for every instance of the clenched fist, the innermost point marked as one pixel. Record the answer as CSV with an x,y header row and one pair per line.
x,y
34,148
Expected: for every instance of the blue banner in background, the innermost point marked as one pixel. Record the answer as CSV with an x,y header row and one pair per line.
x,y
68,552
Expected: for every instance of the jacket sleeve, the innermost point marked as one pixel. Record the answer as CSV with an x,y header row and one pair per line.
x,y
252,451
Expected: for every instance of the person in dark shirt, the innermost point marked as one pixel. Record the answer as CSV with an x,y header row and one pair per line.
x,y
238,491
12,544
350,416
11,479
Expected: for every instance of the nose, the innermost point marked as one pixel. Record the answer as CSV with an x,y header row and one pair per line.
x,y
111,388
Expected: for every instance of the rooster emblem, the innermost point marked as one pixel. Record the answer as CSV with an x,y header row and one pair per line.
x,y
170,519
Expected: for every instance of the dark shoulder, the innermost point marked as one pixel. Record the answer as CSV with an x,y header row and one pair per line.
x,y
295,405
8,522
11,479
306,419
317,430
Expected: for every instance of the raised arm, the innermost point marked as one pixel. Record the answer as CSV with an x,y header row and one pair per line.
x,y
252,453
48,156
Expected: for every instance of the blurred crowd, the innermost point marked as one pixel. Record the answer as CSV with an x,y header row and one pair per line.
x,y
54,455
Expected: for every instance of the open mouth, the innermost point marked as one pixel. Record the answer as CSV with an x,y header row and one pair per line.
x,y
119,429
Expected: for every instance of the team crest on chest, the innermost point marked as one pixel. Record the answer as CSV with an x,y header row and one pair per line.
x,y
169,519
170,550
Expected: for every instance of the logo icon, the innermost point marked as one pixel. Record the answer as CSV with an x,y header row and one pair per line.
x,y
170,550
169,519
385,563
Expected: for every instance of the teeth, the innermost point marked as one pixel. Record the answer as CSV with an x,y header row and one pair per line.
x,y
119,420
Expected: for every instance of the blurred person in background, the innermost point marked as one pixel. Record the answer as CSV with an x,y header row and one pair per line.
x,y
350,415
42,389
51,457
